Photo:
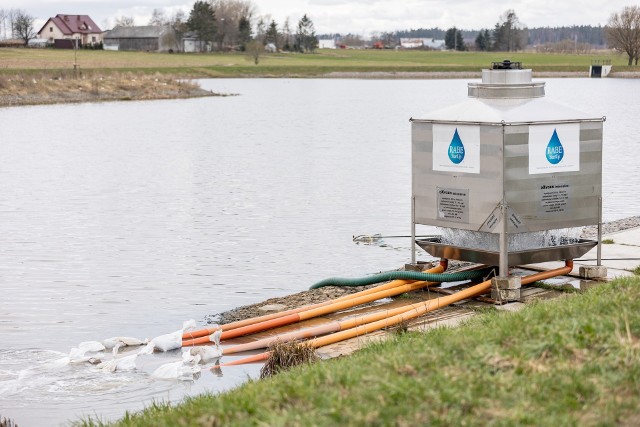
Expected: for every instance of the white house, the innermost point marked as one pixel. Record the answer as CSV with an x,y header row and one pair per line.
x,y
326,44
66,30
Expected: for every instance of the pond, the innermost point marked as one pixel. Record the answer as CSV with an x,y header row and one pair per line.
x,y
129,218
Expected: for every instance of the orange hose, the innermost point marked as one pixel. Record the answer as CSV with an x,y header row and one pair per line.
x,y
427,306
191,338
250,359
415,310
309,314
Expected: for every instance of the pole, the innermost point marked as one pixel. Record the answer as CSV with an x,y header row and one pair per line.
x,y
599,251
413,230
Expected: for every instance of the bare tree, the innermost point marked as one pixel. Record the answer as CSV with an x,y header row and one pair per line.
x,y
7,21
23,26
158,18
261,29
254,50
287,37
229,14
623,32
125,21
3,30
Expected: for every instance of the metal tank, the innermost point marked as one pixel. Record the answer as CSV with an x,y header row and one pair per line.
x,y
505,166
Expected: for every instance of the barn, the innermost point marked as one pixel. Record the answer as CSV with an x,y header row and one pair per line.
x,y
150,38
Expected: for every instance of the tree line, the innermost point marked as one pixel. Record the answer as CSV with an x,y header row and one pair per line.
x,y
233,25
230,24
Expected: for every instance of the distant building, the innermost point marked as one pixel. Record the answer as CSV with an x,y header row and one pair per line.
x,y
434,44
66,31
419,43
191,42
149,38
326,44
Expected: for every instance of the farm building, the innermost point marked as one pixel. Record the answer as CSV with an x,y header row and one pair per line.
x,y
420,43
326,44
191,42
66,31
148,38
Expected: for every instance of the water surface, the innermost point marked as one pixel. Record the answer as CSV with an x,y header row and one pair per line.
x,y
128,218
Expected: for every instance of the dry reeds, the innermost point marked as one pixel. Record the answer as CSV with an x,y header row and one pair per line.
x,y
54,87
286,355
7,422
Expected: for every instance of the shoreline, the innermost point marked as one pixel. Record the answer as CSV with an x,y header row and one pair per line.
x,y
16,91
313,296
65,88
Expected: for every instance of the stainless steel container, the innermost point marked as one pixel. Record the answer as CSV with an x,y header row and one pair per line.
x,y
507,160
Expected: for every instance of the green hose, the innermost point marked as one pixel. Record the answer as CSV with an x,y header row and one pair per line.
x,y
402,275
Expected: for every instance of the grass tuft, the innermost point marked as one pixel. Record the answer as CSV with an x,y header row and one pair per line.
x,y
287,355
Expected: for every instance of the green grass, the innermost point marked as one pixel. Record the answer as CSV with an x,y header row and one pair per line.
x,y
292,64
570,361
607,241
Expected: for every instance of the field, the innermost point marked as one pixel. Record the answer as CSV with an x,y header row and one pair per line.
x,y
291,64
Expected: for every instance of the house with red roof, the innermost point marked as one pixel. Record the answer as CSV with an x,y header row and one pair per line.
x,y
63,31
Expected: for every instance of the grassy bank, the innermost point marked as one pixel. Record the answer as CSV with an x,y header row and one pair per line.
x,y
569,361
289,64
45,76
54,87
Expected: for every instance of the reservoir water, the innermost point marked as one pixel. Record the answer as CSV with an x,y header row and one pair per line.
x,y
129,218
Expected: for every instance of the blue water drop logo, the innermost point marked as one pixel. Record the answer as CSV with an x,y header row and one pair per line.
x,y
555,150
456,149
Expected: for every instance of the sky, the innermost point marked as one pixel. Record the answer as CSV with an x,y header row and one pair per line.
x,y
361,17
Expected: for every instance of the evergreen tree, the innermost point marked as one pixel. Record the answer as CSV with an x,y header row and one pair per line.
x,y
453,39
202,19
509,35
483,40
306,40
481,43
245,33
272,34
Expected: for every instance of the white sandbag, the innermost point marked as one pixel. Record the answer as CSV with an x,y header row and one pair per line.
x,y
126,363
176,371
125,341
86,351
207,353
190,359
173,340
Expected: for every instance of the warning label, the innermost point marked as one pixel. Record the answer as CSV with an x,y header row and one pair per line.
x,y
554,198
453,204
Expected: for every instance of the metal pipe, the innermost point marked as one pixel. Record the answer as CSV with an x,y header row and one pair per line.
x,y
504,243
413,230
599,251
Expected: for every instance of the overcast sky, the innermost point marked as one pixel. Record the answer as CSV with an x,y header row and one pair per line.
x,y
356,16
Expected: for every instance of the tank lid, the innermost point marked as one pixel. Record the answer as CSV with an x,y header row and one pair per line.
x,y
508,80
